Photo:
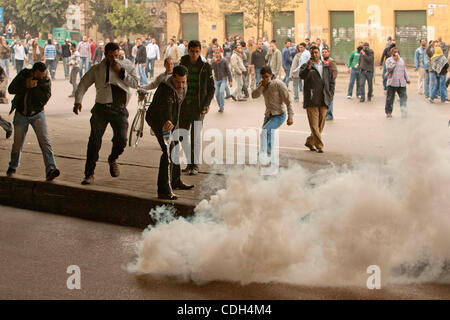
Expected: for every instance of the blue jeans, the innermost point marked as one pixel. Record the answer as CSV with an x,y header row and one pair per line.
x,y
84,64
66,67
401,91
286,77
298,86
30,59
427,84
142,76
220,88
439,87
270,123
330,115
150,67
227,89
257,75
354,77
51,66
39,125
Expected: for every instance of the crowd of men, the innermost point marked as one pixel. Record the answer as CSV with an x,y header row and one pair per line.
x,y
194,73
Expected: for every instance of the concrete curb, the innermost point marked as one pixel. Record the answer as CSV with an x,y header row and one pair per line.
x,y
90,204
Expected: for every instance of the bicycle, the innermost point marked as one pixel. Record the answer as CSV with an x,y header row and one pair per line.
x,y
137,127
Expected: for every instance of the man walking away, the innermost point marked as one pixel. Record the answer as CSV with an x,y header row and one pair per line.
x,y
163,116
286,57
221,74
50,58
332,64
366,65
317,96
32,90
74,62
273,59
113,79
354,71
66,53
141,59
237,66
275,95
198,99
6,125
397,78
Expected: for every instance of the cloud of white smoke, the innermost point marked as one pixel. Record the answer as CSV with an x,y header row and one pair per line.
x,y
323,228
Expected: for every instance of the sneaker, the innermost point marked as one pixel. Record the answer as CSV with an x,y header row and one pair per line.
x,y
52,174
349,97
114,169
8,134
88,180
10,172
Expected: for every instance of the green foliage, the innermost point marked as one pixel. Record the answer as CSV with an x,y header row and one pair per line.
x,y
98,11
132,20
43,15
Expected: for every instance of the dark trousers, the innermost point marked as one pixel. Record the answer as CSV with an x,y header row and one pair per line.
x,y
401,91
166,166
117,117
366,75
6,125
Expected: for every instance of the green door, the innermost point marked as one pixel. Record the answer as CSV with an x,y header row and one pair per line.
x,y
284,28
410,27
190,26
234,25
342,35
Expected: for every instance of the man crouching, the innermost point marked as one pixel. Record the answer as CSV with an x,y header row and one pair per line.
x,y
163,116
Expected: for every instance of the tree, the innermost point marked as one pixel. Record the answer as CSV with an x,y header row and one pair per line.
x,y
97,17
12,13
131,20
43,15
257,12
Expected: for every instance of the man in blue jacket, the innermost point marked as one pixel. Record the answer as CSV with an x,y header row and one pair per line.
x,y
421,64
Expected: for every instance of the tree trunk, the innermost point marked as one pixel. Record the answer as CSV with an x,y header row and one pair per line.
x,y
180,16
258,17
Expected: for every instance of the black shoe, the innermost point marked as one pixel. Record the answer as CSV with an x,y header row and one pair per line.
x,y
311,148
319,151
193,171
182,186
187,169
167,196
242,99
88,180
10,172
52,174
369,99
233,97
362,100
8,134
227,97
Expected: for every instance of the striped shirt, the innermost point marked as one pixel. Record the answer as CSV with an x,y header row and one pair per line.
x,y
396,70
84,48
50,52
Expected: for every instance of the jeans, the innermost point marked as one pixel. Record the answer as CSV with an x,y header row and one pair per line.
x,y
427,84
30,59
298,86
66,67
51,66
227,90
39,125
354,78
286,79
83,64
257,76
220,89
5,64
142,76
6,125
330,115
245,83
267,138
366,75
19,65
384,77
439,87
117,117
150,67
401,91
13,60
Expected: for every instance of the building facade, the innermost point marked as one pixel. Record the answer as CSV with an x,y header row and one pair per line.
x,y
343,23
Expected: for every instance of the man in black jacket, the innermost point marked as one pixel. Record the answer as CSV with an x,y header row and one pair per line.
x,y
317,95
196,105
163,116
32,90
65,54
141,60
366,66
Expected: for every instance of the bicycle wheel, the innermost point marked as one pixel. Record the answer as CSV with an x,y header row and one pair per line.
x,y
136,130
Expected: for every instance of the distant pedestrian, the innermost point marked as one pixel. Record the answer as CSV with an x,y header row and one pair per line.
x,y
439,65
397,78
93,47
152,55
32,90
222,73
84,48
386,54
20,56
141,59
300,59
287,55
66,53
172,52
258,61
421,65
238,68
168,65
273,59
10,29
332,64
50,58
366,66
5,55
113,79
99,53
353,69
74,63
317,96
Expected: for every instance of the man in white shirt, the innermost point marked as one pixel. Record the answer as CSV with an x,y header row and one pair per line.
x,y
152,56
113,79
19,56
